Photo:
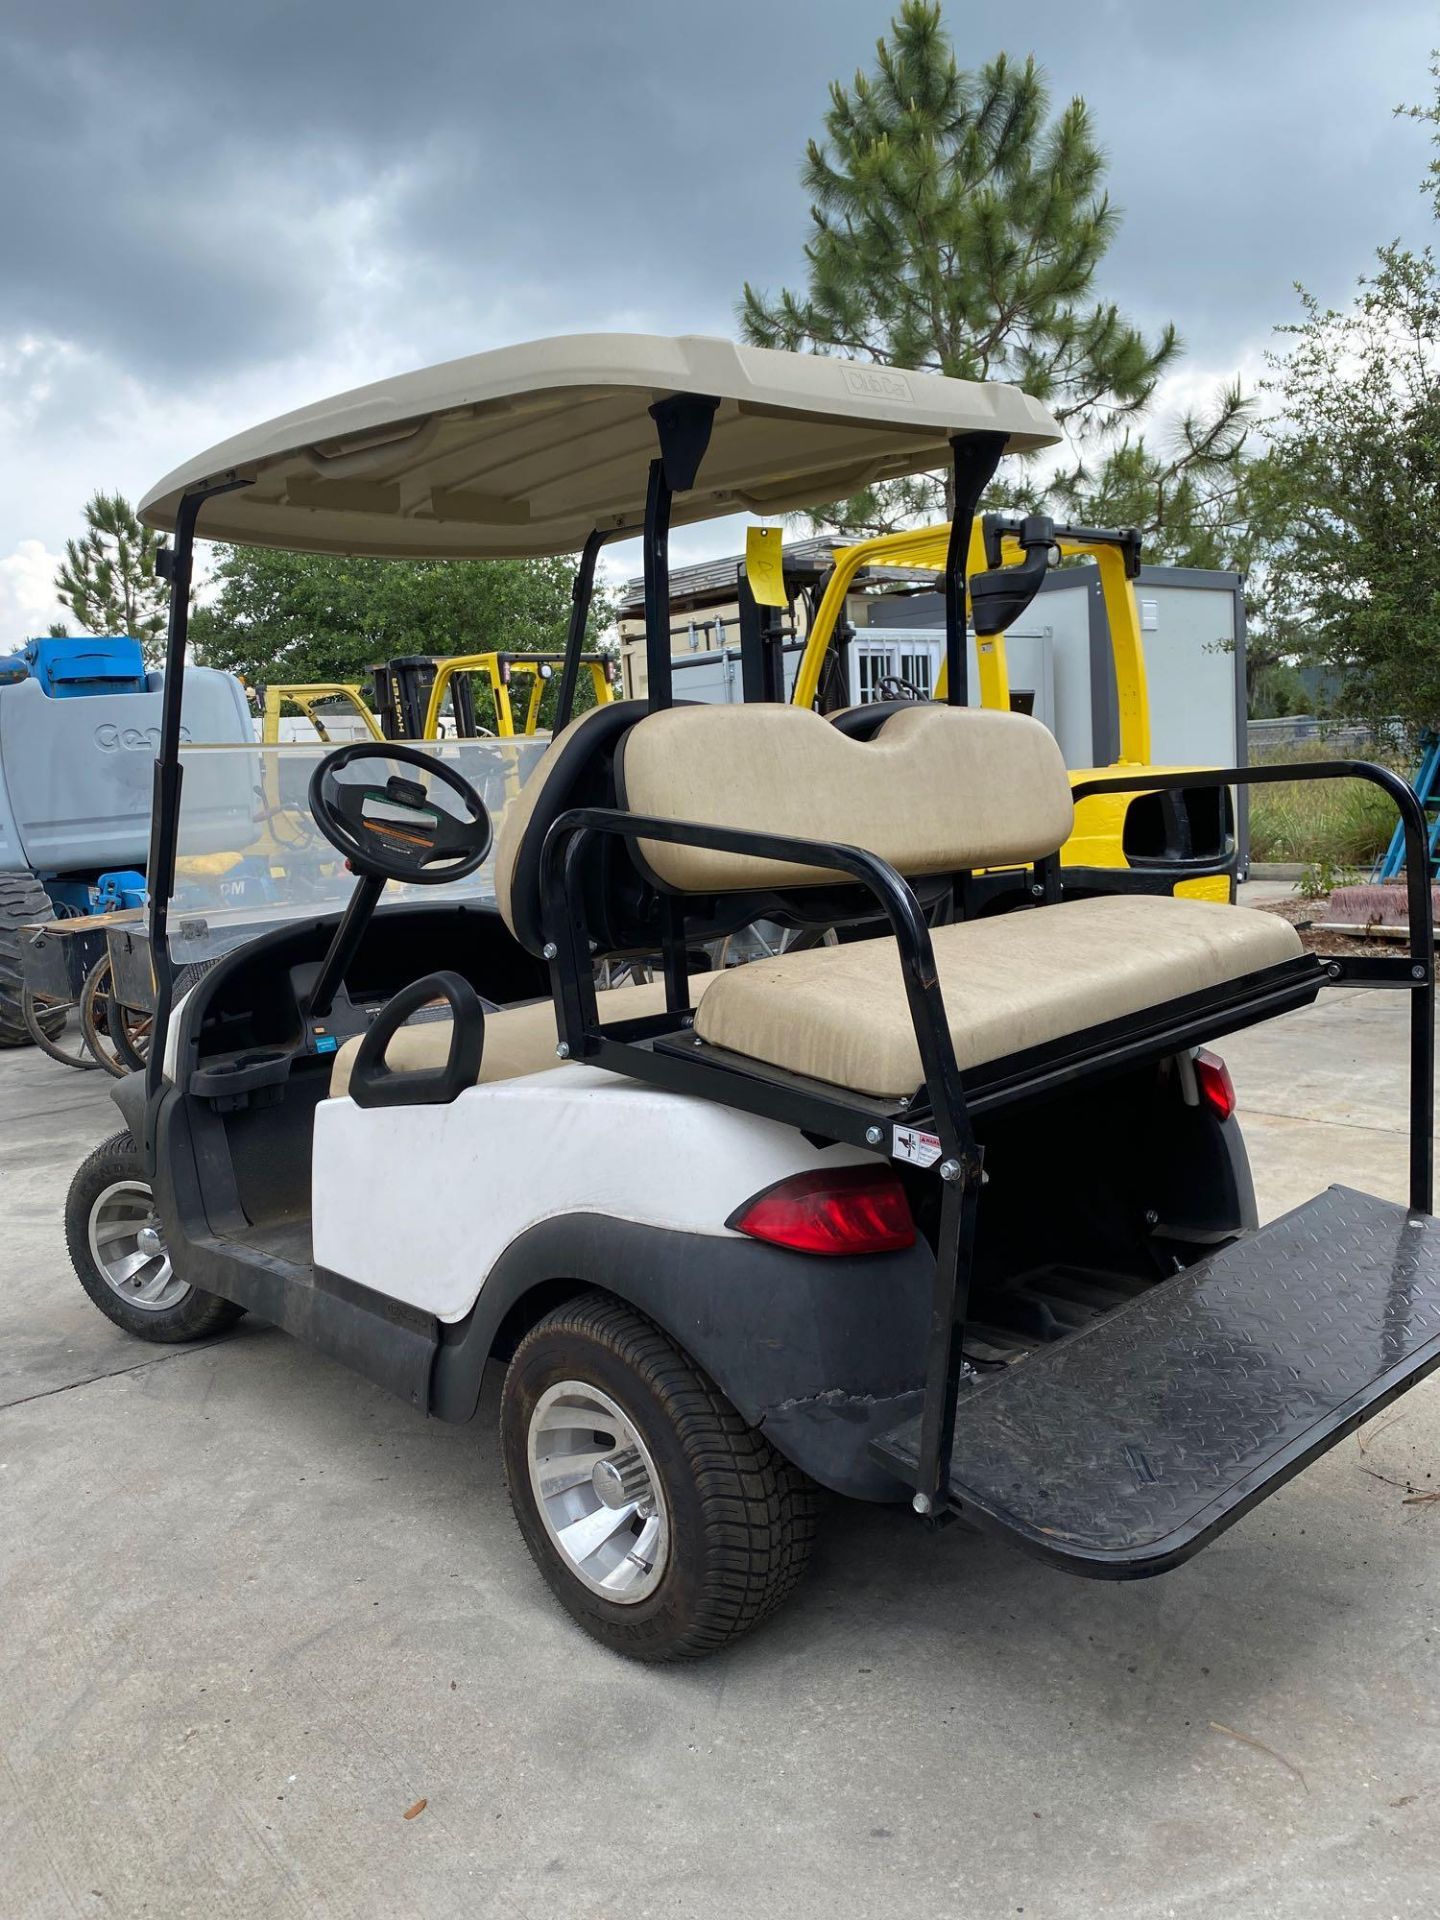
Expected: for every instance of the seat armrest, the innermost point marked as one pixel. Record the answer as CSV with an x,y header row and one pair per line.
x,y
1412,819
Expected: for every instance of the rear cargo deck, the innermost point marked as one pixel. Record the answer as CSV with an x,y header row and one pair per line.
x,y
1123,1448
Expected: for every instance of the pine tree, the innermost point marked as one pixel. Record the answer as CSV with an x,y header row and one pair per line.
x,y
107,578
955,226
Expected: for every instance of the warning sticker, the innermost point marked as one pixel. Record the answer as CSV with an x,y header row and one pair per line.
x,y
921,1149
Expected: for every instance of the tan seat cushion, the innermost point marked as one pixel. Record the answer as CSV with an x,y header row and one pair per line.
x,y
839,1014
938,789
518,1040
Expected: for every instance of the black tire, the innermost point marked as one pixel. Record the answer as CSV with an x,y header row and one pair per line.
x,y
48,1027
22,900
741,1518
194,1316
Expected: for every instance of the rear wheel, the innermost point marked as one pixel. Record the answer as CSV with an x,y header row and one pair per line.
x,y
117,1247
661,1521
22,900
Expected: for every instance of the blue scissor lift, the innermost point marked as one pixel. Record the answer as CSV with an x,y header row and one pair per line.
x,y
1391,864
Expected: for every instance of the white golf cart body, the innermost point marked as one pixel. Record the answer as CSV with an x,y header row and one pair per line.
x,y
329,1154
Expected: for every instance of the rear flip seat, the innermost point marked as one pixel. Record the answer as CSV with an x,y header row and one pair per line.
x,y
1020,980
938,789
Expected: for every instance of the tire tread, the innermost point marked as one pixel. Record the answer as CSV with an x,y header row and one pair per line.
x,y
22,899
195,1316
759,1512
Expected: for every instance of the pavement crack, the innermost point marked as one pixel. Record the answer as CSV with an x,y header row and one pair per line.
x,y
1321,1120
112,1373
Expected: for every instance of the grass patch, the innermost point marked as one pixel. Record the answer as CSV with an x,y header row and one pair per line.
x,y
1335,824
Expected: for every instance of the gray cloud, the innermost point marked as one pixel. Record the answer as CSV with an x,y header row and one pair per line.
x,y
205,202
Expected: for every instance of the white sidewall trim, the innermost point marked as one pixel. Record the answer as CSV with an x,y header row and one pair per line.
x,y
419,1202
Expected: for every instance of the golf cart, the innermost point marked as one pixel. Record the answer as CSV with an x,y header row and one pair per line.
x,y
951,1208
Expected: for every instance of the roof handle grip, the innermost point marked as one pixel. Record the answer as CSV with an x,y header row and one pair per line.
x,y
387,449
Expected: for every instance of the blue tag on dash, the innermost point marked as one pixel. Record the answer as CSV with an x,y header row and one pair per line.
x,y
325,1043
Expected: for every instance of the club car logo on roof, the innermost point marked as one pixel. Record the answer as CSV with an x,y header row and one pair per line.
x,y
877,383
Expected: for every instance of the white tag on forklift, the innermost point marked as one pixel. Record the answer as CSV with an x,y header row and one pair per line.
x,y
920,1149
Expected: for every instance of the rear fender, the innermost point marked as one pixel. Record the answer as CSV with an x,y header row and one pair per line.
x,y
819,1353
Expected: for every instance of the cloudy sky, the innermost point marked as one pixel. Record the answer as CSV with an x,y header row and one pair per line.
x,y
217,212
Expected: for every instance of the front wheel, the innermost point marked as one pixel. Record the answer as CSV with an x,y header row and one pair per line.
x,y
661,1521
117,1247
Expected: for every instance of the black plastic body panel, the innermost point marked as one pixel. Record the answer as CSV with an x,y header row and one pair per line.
x,y
248,999
129,1095
1124,1448
821,1354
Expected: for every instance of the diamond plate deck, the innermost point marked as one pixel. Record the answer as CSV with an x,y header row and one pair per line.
x,y
1123,1448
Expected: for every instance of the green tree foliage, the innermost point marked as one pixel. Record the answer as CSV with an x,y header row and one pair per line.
x,y
1278,690
956,226
107,578
1431,115
272,617
1356,582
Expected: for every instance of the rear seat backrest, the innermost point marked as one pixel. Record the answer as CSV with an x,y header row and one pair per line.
x,y
938,789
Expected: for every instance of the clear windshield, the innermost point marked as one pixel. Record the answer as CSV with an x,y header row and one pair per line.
x,y
250,855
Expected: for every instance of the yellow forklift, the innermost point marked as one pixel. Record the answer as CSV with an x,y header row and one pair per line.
x,y
411,692
317,701
1189,830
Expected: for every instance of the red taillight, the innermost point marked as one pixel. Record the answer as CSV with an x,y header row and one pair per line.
x,y
1212,1077
842,1210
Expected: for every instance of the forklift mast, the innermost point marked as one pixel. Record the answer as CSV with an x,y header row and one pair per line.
x,y
766,632
402,689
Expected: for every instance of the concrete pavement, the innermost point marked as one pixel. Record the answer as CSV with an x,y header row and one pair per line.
x,y
253,1611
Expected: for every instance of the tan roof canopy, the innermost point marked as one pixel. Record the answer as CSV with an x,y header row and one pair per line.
x,y
527,449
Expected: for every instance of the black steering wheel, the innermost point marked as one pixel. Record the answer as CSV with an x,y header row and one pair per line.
x,y
894,686
391,829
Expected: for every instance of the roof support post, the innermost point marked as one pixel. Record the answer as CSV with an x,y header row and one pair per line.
x,y
176,566
682,427
582,592
976,456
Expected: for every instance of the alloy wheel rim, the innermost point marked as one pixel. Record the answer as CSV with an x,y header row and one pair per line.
x,y
128,1248
598,1493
